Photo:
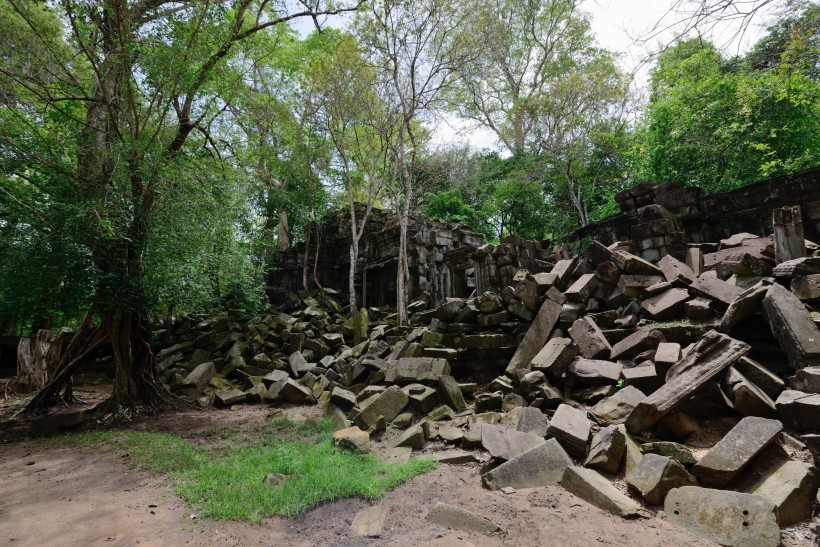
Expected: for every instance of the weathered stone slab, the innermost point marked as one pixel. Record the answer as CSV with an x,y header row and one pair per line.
x,y
595,372
536,336
718,290
654,476
792,487
793,327
369,522
388,405
555,357
698,309
725,517
563,270
615,409
734,451
799,411
667,305
542,465
638,342
606,450
201,376
505,443
713,353
450,516
676,271
594,488
591,342
571,427
742,307
675,451
422,398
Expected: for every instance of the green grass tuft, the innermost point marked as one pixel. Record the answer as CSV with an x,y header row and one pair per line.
x,y
229,483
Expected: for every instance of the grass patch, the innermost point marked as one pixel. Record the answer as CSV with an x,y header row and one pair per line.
x,y
229,483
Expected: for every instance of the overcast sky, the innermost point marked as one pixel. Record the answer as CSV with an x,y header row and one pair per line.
x,y
616,24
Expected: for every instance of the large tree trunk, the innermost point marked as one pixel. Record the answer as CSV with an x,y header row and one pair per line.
x,y
134,381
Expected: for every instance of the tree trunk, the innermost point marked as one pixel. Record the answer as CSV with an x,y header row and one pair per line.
x,y
351,285
284,231
134,381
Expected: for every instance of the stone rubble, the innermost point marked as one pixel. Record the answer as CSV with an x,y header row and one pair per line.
x,y
538,375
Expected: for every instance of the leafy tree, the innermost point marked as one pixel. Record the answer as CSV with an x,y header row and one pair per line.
x,y
139,88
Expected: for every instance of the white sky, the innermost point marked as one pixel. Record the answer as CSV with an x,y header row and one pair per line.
x,y
615,23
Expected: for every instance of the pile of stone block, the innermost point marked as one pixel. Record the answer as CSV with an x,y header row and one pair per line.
x,y
605,366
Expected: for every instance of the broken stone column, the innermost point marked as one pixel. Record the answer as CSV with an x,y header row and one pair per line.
x,y
789,239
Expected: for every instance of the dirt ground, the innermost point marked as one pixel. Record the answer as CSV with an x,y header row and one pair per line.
x,y
66,497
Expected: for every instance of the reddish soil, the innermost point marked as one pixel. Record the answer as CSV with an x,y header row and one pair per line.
x,y
60,496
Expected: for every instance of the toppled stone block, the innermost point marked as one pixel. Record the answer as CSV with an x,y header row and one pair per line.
x,y
571,427
722,516
675,271
698,309
644,377
667,305
536,336
555,357
806,380
413,437
201,376
675,451
789,239
387,405
635,285
298,364
582,289
807,288
734,451
532,420
606,450
506,443
799,411
542,465
352,438
770,383
594,372
594,488
636,343
415,369
228,397
369,522
713,353
667,354
632,264
615,409
720,292
747,398
792,487
450,516
654,476
343,397
592,343
793,327
451,394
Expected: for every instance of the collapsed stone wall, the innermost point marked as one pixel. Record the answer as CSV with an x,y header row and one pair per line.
x,y
660,219
445,260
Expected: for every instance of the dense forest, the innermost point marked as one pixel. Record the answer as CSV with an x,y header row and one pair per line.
x,y
156,155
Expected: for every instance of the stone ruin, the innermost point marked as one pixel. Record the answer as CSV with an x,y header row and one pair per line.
x,y
694,378
445,260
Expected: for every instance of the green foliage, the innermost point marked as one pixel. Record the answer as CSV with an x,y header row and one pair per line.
x,y
229,483
720,123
